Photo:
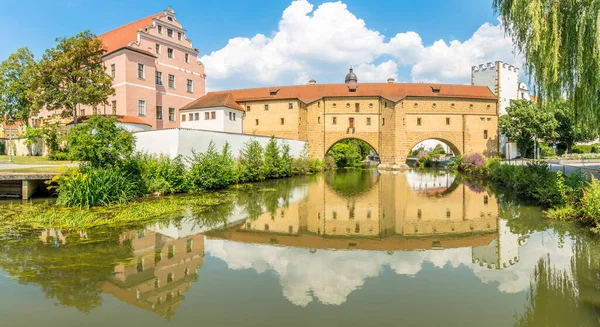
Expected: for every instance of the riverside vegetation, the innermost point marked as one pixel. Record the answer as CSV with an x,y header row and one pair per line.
x,y
566,197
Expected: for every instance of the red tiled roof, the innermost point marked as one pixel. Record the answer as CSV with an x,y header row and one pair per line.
x,y
120,118
310,93
121,37
15,125
214,99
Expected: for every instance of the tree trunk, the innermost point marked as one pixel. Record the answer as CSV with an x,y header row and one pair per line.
x,y
74,115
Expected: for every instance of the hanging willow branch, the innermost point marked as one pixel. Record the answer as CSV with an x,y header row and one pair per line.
x,y
560,40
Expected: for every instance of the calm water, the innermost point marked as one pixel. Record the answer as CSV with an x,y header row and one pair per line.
x,y
341,249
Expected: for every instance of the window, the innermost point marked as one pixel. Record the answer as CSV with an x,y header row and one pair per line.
x,y
158,78
334,216
82,112
187,58
232,116
171,252
447,121
485,134
179,36
207,115
382,121
183,117
189,245
157,48
385,104
357,107
191,116
368,120
485,199
447,212
169,32
319,120
247,108
159,29
172,81
290,105
141,107
140,265
113,70
419,213
190,86
159,112
197,116
170,53
266,107
113,107
256,121
141,71
282,121
171,114
169,277
213,115
334,121
266,227
170,18
418,121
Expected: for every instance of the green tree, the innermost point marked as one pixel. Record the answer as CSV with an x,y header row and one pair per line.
x,y
73,73
273,163
286,160
100,142
16,76
345,155
569,130
560,40
525,121
251,163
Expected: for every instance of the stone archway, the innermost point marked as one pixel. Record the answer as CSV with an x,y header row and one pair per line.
x,y
330,144
453,140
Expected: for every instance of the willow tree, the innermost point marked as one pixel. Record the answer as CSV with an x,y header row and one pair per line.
x,y
561,42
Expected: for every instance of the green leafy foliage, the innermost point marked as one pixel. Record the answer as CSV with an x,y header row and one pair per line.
x,y
349,153
560,41
16,86
570,130
590,202
92,186
211,170
100,142
251,165
524,121
71,74
160,174
273,163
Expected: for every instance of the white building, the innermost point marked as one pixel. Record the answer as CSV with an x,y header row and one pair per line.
x,y
218,112
504,81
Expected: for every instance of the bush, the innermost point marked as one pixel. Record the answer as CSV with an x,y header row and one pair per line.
x,y
89,186
59,156
424,160
211,170
100,142
250,167
160,174
273,163
590,202
547,151
582,149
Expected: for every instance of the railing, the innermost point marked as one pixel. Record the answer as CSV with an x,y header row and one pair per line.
x,y
588,167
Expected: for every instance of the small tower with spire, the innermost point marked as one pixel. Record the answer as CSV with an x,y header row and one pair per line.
x,y
351,77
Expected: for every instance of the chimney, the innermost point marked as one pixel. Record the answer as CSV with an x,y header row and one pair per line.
x,y
390,80
312,82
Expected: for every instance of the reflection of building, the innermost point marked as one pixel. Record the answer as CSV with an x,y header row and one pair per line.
x,y
162,270
392,212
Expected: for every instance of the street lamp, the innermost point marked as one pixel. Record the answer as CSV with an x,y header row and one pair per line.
x,y
10,123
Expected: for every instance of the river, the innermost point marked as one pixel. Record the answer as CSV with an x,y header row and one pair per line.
x,y
347,248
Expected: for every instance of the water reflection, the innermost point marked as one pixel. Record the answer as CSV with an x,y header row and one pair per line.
x,y
324,237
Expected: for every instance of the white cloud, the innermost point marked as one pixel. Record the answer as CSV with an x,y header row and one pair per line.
x,y
320,43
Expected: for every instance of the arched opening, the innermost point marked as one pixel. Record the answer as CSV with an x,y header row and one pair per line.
x,y
352,153
351,183
432,152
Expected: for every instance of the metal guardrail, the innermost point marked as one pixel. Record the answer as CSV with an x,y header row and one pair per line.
x,y
565,168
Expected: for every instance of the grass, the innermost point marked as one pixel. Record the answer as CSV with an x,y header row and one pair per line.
x,y
33,170
18,216
32,160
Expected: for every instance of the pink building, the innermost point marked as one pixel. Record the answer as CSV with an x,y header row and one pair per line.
x,y
155,70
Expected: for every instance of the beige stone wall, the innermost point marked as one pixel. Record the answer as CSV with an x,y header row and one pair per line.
x,y
392,129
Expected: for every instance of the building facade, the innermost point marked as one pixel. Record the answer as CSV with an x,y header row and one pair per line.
x,y
391,117
155,71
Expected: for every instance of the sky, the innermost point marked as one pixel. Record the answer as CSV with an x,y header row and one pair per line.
x,y
281,42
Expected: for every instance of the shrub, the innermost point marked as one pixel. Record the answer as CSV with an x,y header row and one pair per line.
x,y
273,164
211,170
424,160
547,151
59,156
160,174
590,202
286,160
2,147
89,186
100,142
251,163
582,149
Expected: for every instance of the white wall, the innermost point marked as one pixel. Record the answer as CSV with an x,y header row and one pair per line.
x,y
221,123
181,141
509,85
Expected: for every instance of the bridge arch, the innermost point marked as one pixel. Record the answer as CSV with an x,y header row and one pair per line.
x,y
453,141
371,143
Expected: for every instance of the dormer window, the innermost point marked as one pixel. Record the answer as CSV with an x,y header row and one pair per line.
x,y
169,32
169,18
159,29
435,89
179,35
273,93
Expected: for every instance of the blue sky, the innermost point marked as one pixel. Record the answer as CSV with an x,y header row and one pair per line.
x,y
212,24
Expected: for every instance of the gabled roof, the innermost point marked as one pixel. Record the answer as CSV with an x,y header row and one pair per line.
x,y
214,99
309,93
121,37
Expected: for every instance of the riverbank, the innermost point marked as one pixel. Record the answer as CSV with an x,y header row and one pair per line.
x,y
574,196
